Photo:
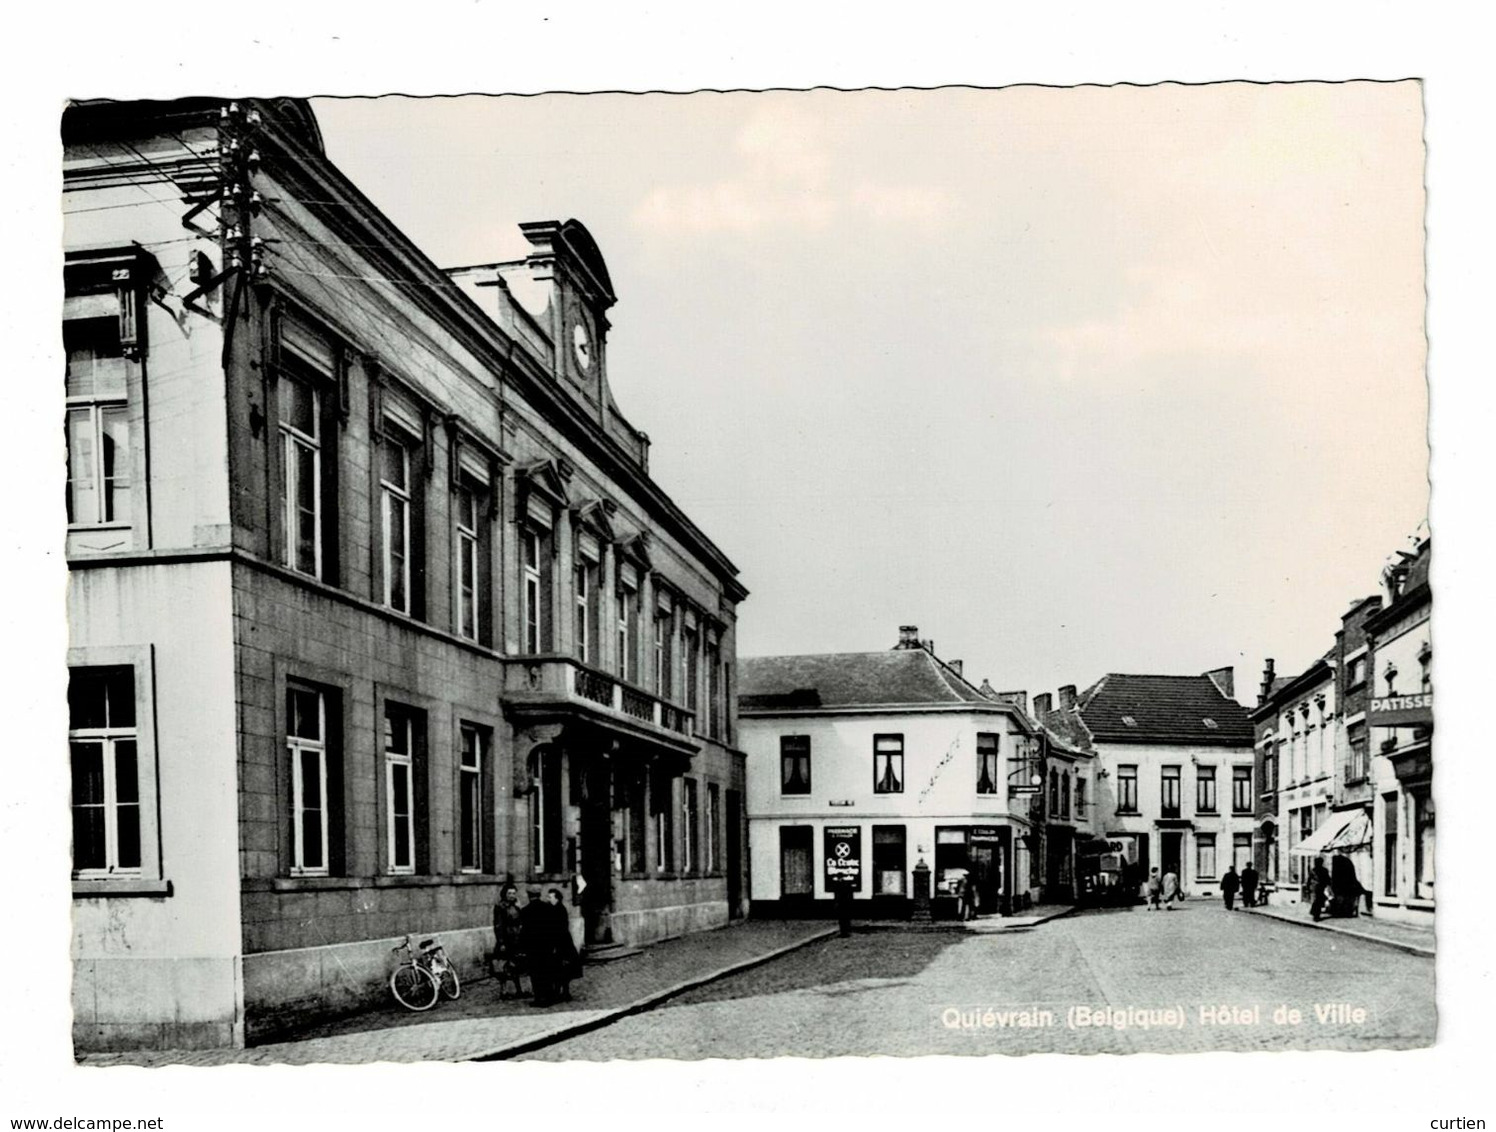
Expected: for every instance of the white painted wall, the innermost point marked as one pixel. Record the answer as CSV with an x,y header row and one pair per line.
x,y
940,776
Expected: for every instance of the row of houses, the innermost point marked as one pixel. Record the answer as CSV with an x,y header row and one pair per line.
x,y
1344,751
1026,802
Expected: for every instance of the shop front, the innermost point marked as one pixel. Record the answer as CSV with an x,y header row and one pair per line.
x,y
978,858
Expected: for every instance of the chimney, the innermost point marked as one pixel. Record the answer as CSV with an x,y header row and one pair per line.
x,y
1267,681
908,637
1224,679
987,690
955,666
1067,696
1020,699
1041,704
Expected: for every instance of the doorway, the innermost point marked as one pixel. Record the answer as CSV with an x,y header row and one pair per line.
x,y
1171,854
734,855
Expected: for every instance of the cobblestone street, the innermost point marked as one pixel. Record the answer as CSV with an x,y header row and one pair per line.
x,y
896,992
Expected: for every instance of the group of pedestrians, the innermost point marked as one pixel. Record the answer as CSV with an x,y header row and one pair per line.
x,y
1336,891
1245,883
1164,891
534,941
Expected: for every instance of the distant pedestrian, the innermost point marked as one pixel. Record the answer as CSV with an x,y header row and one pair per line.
x,y
1171,890
1248,886
1155,888
1346,887
1319,888
1230,882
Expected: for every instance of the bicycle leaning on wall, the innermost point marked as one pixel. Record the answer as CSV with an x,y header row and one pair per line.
x,y
423,976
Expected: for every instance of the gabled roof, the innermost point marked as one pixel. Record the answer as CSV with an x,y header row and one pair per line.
x,y
904,677
1066,725
1124,708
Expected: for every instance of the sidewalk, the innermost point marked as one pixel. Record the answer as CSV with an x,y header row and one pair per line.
x,y
1415,941
481,1026
1038,914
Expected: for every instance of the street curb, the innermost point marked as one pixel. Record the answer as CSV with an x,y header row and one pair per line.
x,y
1409,948
640,1005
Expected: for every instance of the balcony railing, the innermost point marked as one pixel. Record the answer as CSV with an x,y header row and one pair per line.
x,y
556,683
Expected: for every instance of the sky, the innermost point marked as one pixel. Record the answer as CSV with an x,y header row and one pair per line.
x,y
1075,380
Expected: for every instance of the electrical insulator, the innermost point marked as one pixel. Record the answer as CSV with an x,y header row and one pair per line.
x,y
252,160
252,118
255,202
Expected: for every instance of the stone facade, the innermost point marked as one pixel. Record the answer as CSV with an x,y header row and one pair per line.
x,y
380,561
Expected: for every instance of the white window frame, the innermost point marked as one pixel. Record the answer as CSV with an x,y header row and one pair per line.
x,y
583,590
688,814
296,747
466,555
400,764
97,404
108,737
530,551
994,753
625,634
394,497
1202,842
96,408
292,439
470,794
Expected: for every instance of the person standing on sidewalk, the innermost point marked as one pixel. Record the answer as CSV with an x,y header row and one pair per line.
x,y
1248,886
1319,888
507,961
1229,884
537,940
1155,887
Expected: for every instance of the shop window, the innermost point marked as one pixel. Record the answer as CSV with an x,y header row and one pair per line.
x,y
1422,803
889,860
794,764
1389,844
888,764
796,861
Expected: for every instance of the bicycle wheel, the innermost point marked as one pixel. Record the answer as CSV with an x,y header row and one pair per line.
x,y
450,985
414,987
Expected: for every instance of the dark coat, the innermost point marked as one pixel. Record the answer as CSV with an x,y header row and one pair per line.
x,y
1248,878
1230,882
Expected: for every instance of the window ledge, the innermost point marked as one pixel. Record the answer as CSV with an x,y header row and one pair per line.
x,y
121,886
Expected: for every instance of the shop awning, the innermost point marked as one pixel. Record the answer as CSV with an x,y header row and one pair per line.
x,y
1329,829
1356,834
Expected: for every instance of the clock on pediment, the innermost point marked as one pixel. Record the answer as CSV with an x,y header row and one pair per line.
x,y
583,349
